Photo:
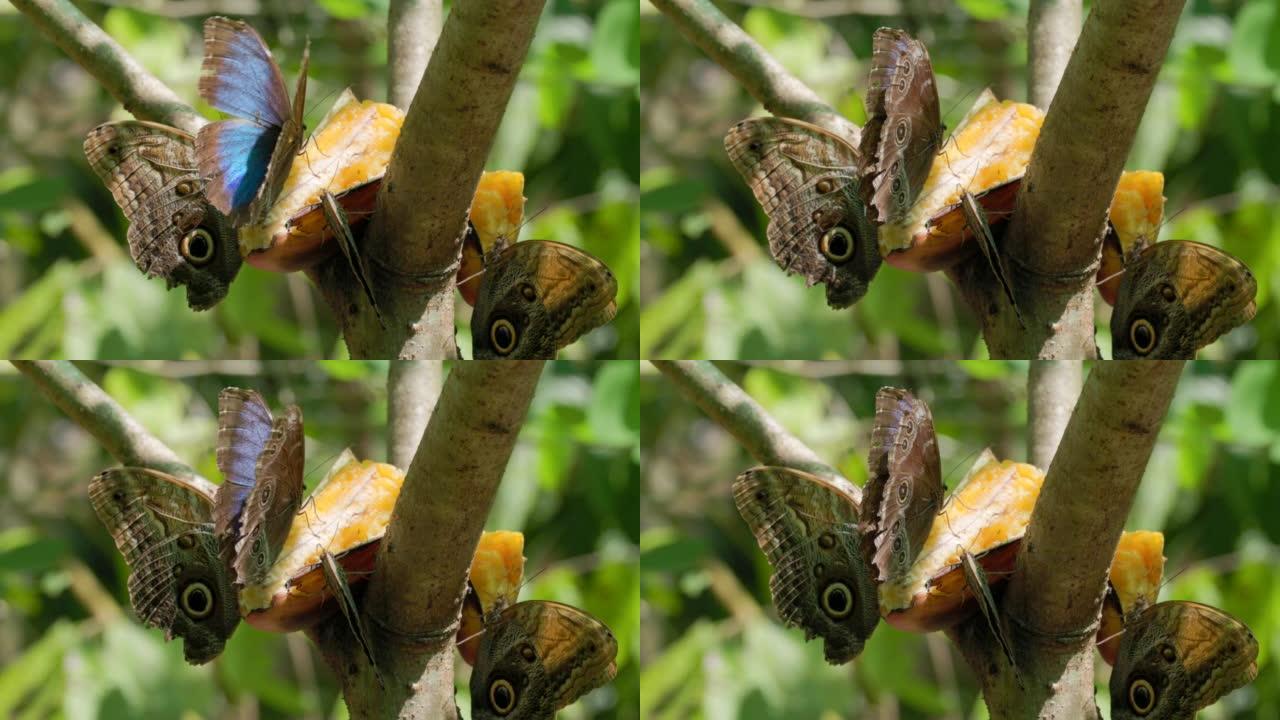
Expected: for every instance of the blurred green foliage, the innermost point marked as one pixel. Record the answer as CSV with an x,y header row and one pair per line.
x,y
1209,126
713,646
70,645
69,289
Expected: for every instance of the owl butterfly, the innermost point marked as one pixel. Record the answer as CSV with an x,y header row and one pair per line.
x,y
335,578
904,126
537,657
246,159
1177,657
976,220
1176,297
174,232
493,585
904,483
975,579
261,460
163,526
538,296
806,179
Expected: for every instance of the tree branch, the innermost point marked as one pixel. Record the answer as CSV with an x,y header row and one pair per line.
x,y
97,413
422,206
1054,235
1054,595
413,386
413,26
1053,386
140,92
728,406
414,596
780,92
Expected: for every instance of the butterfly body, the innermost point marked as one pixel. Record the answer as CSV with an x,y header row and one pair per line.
x,y
904,126
174,232
163,527
807,180
246,158
538,296
1177,657
536,657
808,529
1176,297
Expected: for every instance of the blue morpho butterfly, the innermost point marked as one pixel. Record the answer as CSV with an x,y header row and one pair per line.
x,y
246,159
261,460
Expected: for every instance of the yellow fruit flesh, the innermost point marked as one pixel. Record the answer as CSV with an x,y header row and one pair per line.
x,y
990,146
497,209
1137,208
349,507
991,506
351,146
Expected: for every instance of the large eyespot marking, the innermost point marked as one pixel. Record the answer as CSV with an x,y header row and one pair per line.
x,y
837,245
1142,697
502,697
197,247
837,601
1142,335
197,601
503,336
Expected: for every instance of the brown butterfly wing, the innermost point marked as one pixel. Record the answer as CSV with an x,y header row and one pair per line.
x,y
1178,657
976,580
538,296
904,125
177,581
537,657
274,500
808,529
904,487
174,232
806,179
1176,297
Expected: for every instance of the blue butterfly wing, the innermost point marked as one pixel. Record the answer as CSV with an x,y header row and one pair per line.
x,y
233,156
244,427
238,75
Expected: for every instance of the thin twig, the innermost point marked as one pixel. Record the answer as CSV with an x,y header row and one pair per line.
x,y
734,410
96,412
413,26
780,92
140,92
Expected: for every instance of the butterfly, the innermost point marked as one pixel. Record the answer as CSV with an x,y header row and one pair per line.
x,y
904,126
538,296
828,554
163,526
261,460
1176,297
174,232
807,181
1176,657
246,159
536,657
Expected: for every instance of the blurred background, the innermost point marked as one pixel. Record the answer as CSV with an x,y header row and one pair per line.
x,y
70,644
705,261
65,269
711,643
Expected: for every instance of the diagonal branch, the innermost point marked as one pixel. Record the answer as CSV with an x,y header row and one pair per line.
x,y
414,596
443,146
96,412
741,416
1055,233
140,92
780,92
1054,596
